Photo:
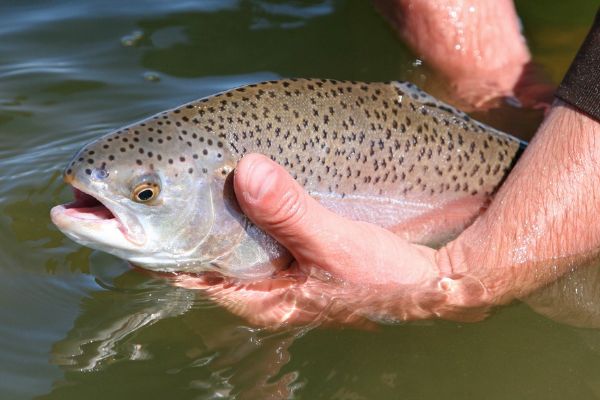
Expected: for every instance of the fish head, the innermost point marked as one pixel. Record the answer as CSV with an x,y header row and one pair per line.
x,y
150,195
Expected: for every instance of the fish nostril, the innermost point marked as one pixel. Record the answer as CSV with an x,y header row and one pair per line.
x,y
99,174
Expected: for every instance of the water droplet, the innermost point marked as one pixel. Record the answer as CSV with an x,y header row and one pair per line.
x,y
133,39
513,102
151,76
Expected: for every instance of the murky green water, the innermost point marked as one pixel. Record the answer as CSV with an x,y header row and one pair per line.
x,y
77,324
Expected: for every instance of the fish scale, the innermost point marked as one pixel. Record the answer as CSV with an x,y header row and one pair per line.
x,y
386,153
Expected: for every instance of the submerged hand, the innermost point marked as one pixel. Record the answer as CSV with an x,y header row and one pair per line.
x,y
343,270
475,45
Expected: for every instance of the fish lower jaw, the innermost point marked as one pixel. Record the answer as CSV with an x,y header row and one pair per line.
x,y
91,230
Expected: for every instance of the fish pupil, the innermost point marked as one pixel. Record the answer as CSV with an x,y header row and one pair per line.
x,y
145,195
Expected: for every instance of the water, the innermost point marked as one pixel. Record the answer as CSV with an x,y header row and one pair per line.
x,y
81,324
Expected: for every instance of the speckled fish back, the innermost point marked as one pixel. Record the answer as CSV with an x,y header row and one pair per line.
x,y
338,138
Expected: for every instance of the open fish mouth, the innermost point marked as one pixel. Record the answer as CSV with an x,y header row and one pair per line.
x,y
87,207
94,223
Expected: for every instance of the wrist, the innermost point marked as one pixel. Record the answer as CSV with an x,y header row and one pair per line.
x,y
542,222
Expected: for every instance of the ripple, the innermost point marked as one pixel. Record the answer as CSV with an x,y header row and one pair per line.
x,y
35,67
76,321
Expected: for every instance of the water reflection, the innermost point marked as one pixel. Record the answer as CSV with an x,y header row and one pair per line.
x,y
573,299
110,320
146,325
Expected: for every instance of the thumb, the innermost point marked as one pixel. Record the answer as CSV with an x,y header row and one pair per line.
x,y
275,202
351,250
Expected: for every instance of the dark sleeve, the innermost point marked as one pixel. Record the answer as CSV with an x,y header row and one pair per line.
x,y
581,85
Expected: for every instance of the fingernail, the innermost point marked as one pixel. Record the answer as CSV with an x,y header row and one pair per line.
x,y
260,180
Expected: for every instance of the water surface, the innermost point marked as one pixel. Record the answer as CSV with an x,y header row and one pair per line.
x,y
81,324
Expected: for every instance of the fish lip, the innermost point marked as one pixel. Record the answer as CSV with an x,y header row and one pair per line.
x,y
108,204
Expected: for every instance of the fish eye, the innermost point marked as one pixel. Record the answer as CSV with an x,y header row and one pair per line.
x,y
145,192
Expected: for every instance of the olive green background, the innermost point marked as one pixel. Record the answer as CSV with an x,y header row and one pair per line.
x,y
78,324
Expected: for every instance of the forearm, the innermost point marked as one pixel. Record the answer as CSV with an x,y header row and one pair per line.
x,y
475,44
543,220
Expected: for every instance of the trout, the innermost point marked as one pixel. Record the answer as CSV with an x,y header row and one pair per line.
x,y
159,193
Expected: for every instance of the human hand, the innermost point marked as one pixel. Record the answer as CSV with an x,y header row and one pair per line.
x,y
476,46
540,225
344,271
